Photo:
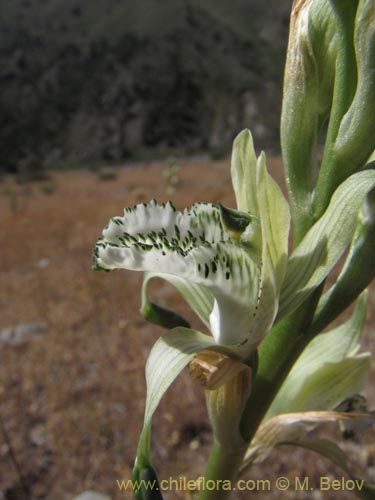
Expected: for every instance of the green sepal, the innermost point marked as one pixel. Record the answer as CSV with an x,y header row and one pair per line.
x,y
199,298
170,354
145,483
160,316
135,481
243,173
168,357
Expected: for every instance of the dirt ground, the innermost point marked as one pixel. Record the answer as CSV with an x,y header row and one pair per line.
x,y
72,398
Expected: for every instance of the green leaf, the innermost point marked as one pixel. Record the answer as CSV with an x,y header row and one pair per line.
x,y
330,450
169,356
326,241
357,272
333,383
328,371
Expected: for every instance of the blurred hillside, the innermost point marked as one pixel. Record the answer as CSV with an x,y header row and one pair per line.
x,y
84,81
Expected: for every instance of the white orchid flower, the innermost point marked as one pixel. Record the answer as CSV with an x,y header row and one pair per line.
x,y
230,263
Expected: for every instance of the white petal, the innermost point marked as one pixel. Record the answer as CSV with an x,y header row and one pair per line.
x,y
147,222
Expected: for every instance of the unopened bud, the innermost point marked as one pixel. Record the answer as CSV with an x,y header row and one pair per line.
x,y
307,96
356,138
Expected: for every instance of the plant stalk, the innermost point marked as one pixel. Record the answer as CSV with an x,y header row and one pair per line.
x,y
221,472
277,354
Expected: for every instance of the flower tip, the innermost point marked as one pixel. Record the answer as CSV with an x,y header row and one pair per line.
x,y
234,221
96,266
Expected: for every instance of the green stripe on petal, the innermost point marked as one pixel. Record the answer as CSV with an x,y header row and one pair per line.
x,y
275,223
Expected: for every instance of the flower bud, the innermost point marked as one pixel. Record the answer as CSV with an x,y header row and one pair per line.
x,y
356,138
308,84
350,135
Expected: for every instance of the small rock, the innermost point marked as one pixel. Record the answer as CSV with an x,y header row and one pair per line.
x,y
194,445
91,495
21,333
6,335
43,263
38,436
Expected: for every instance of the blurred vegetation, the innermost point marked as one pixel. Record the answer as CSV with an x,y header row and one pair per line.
x,y
90,81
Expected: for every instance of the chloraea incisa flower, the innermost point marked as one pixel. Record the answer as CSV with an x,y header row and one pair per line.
x,y
228,264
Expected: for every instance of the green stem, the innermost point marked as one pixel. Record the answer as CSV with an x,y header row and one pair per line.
x,y
277,354
221,472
